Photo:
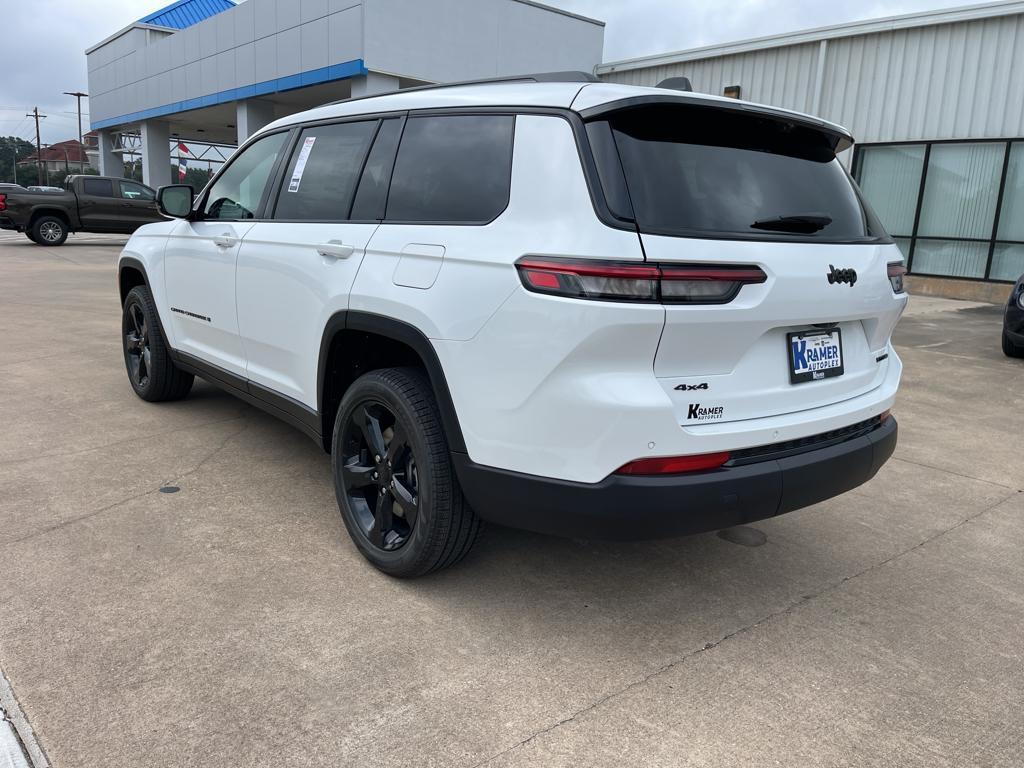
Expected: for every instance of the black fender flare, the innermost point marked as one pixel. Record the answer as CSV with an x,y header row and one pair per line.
x,y
413,338
129,261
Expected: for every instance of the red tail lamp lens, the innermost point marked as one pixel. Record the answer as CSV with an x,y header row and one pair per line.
x,y
3,202
674,465
651,283
896,273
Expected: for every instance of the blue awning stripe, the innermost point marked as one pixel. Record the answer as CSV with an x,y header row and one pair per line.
x,y
342,71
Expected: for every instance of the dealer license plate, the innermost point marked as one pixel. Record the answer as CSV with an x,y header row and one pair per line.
x,y
815,355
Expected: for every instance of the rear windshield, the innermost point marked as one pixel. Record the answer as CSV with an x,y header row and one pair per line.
x,y
708,172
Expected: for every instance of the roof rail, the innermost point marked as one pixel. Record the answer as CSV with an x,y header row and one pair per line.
x,y
539,77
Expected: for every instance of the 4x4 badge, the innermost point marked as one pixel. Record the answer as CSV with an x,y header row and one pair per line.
x,y
692,387
841,276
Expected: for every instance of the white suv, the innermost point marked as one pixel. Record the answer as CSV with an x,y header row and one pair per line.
x,y
574,307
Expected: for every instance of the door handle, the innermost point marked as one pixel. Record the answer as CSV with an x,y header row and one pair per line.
x,y
335,249
225,241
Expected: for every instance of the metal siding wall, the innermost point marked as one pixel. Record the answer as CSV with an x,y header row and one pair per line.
x,y
783,77
950,81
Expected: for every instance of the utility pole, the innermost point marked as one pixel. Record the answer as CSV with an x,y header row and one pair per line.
x,y
40,164
79,95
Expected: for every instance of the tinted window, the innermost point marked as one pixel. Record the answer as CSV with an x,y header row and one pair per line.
x,y
321,178
454,168
373,187
132,191
237,192
97,187
707,172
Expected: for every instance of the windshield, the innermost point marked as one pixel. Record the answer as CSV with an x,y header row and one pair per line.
x,y
707,172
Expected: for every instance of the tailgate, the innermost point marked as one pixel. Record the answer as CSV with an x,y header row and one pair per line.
x,y
735,361
722,186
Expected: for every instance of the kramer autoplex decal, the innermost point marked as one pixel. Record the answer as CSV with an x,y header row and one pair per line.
x,y
698,412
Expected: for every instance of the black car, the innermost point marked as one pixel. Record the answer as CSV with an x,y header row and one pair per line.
x,y
1013,322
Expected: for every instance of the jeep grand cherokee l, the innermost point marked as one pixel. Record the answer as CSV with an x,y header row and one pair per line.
x,y
572,307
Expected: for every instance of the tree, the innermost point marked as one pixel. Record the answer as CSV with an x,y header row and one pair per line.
x,y
12,147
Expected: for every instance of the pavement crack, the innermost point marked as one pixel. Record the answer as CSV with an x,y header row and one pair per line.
x,y
116,443
804,599
957,474
72,520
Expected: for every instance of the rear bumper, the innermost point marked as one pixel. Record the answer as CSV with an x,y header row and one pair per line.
x,y
7,223
633,508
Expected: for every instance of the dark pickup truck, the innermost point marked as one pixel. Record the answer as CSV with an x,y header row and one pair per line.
x,y
87,204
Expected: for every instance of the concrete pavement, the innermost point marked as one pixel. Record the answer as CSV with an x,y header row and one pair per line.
x,y
233,623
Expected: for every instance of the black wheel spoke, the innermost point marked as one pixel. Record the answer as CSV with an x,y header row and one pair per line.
x,y
398,442
356,475
372,433
405,502
136,320
382,521
145,363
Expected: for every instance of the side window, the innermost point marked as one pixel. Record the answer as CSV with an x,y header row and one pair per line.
x,y
237,192
98,187
373,186
132,191
321,178
453,168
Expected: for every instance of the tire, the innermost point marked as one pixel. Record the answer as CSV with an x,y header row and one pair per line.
x,y
49,231
151,372
30,236
422,523
1009,348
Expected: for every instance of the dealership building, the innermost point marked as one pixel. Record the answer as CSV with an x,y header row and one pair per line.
x,y
214,71
935,100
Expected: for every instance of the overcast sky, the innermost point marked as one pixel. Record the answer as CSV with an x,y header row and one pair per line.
x,y
44,58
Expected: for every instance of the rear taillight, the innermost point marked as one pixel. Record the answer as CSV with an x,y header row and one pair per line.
x,y
3,202
674,465
896,273
617,281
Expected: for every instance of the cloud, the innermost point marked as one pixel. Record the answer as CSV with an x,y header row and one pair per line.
x,y
44,55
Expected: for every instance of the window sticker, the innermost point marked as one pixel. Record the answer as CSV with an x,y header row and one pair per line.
x,y
300,165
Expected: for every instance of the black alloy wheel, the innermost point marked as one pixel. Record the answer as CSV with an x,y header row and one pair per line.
x,y
136,345
151,371
379,476
397,490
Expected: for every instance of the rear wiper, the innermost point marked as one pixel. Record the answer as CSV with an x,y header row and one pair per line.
x,y
803,223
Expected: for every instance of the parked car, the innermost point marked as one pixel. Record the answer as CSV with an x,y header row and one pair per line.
x,y
87,204
1013,322
45,189
578,308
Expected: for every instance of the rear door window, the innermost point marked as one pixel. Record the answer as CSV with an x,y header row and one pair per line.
x,y
98,187
320,181
452,169
706,172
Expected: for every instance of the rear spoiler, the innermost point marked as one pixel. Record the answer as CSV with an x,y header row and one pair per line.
x,y
840,138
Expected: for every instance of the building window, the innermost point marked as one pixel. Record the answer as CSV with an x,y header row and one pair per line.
x,y
955,208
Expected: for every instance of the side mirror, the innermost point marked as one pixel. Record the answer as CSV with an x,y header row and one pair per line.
x,y
175,200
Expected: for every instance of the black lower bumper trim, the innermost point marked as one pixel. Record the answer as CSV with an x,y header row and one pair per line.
x,y
622,507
